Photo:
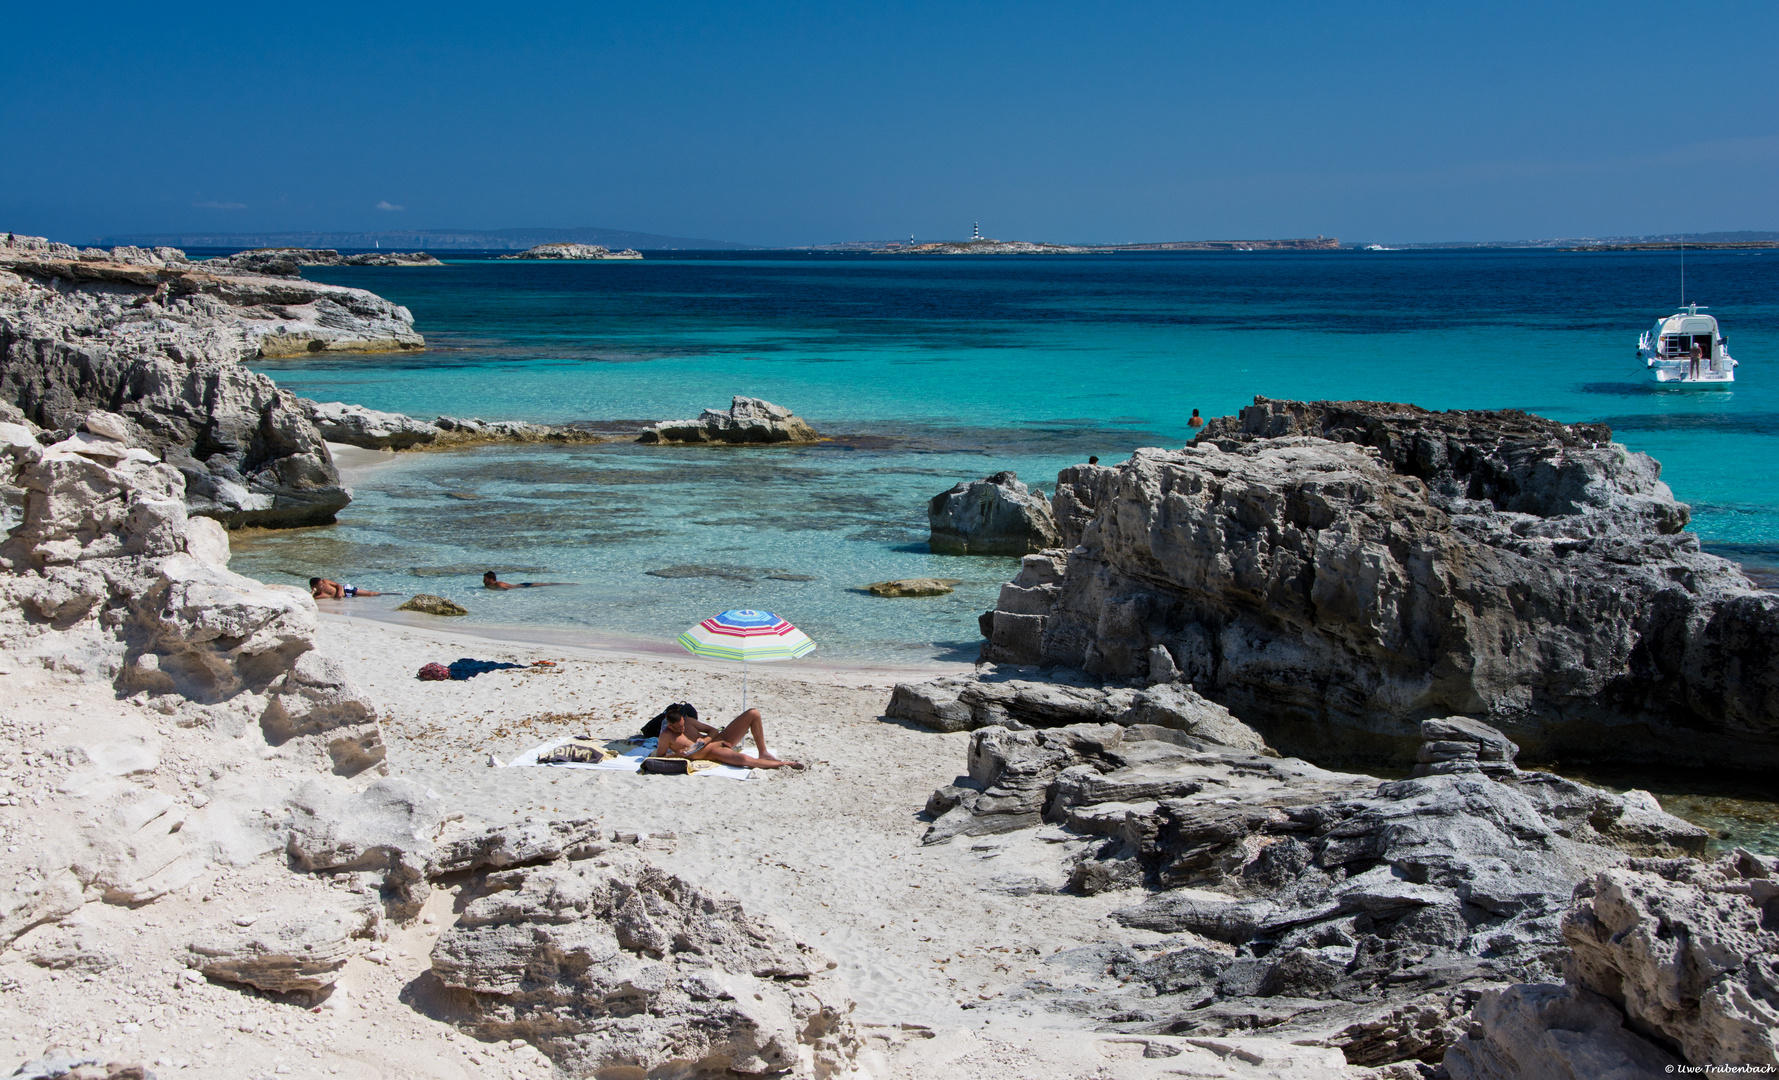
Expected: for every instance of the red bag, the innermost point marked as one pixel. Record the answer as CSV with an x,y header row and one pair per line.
x,y
435,673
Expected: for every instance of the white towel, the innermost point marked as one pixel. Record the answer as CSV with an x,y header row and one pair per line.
x,y
628,761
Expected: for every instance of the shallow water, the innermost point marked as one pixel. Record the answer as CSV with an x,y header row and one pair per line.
x,y
936,370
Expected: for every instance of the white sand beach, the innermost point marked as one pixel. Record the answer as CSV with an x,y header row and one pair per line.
x,y
832,852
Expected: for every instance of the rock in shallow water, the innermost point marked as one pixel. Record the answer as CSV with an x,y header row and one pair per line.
x,y
749,420
994,516
428,604
913,587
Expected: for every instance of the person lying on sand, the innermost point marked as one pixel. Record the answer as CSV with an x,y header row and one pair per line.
x,y
489,581
683,736
323,589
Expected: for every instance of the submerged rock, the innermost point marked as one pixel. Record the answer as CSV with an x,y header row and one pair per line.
x,y
1337,572
995,516
913,587
749,420
428,604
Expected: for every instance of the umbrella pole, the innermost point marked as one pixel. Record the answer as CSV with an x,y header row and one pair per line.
x,y
744,686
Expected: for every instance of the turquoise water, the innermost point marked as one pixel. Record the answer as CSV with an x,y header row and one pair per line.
x,y
930,371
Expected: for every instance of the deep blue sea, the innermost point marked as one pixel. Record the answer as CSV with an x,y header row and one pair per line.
x,y
926,371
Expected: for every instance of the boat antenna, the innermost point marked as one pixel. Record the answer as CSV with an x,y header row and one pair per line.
x,y
1683,273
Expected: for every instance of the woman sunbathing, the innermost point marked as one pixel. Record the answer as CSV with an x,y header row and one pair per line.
x,y
683,736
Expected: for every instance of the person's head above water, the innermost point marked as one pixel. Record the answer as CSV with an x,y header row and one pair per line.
x,y
314,581
488,575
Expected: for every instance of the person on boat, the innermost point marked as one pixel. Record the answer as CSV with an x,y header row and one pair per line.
x,y
1195,420
323,589
1698,358
490,581
683,736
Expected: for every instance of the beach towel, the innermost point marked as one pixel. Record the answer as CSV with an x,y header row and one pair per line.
x,y
626,757
581,751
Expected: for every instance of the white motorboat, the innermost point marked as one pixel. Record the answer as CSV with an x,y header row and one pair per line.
x,y
1667,352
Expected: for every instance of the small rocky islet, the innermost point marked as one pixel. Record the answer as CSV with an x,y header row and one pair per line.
x,y
1339,581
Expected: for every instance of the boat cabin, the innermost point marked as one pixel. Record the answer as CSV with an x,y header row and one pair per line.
x,y
1676,335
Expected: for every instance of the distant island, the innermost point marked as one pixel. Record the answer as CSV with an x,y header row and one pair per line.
x,y
572,251
986,246
431,240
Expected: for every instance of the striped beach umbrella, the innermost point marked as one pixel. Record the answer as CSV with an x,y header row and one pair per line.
x,y
748,636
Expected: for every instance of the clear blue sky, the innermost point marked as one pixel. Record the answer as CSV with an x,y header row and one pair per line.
x,y
793,123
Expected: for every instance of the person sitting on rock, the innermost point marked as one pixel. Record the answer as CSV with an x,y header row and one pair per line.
x,y
683,736
323,589
489,581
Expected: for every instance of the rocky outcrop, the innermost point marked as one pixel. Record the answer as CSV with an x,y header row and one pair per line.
x,y
108,580
1337,572
1014,699
356,425
995,516
159,341
1323,907
289,262
1666,955
612,966
572,251
749,420
293,952
1689,951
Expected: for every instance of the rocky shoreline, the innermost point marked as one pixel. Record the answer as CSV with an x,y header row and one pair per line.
x,y
209,820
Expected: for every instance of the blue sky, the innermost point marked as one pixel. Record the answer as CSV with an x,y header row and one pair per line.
x,y
794,123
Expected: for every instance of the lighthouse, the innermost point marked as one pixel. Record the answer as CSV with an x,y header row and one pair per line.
x,y
975,231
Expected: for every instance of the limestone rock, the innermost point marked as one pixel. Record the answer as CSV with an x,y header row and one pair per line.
x,y
286,953
1547,1032
157,341
1004,696
912,587
749,420
1690,950
389,830
995,516
612,966
1351,913
1458,744
480,846
1337,572
428,604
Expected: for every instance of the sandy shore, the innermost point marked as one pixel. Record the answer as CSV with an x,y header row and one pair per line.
x,y
834,851
920,935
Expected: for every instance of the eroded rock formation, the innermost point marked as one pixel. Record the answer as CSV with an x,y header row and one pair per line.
x,y
159,341
1316,905
612,966
1336,572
